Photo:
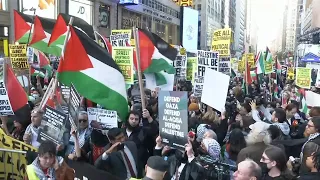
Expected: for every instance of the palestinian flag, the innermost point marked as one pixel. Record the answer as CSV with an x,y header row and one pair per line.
x,y
247,75
35,72
93,72
268,56
260,64
18,98
41,62
22,26
104,42
156,57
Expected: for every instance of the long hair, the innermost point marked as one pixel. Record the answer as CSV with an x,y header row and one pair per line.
x,y
237,142
211,116
278,155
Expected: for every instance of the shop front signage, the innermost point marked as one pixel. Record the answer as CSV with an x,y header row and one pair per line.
x,y
81,9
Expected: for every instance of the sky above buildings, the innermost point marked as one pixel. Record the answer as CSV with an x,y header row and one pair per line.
x,y
269,19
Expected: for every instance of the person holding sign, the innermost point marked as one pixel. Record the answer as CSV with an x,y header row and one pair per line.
x,y
32,131
80,137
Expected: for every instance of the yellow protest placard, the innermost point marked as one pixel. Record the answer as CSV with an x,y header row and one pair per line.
x,y
303,77
124,31
222,34
190,67
268,67
18,56
123,56
241,65
290,74
221,46
13,165
250,59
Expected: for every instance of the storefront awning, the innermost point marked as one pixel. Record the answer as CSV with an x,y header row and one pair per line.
x,y
310,57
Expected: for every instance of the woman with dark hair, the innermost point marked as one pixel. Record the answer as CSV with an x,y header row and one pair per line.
x,y
231,149
312,131
313,163
275,164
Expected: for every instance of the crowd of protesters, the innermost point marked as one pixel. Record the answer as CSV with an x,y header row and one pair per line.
x,y
257,137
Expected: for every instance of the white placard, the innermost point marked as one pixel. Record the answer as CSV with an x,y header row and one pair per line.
x,y
5,106
312,99
107,118
215,89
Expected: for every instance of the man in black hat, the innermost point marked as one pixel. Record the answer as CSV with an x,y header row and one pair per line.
x,y
155,169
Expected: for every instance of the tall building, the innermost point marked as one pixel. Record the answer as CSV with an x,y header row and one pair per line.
x,y
239,37
251,27
209,20
291,29
284,28
232,24
310,21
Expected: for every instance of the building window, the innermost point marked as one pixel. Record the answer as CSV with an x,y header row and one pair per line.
x,y
3,5
199,6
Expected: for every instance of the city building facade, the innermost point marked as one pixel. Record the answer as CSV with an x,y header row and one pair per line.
x,y
210,18
159,16
251,27
232,24
239,36
291,29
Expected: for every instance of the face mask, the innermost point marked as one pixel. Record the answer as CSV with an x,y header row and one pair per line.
x,y
36,96
264,168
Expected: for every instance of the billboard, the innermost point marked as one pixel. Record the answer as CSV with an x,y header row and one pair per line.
x,y
42,8
129,2
82,9
190,28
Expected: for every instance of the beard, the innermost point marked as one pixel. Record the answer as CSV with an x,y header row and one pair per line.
x,y
130,127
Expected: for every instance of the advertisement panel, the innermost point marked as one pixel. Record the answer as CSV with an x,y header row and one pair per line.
x,y
190,28
82,9
43,8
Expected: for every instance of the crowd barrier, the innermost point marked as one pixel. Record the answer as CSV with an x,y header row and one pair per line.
x,y
12,164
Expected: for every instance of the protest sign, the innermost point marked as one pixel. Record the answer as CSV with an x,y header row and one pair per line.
x,y
123,56
13,165
191,60
241,65
173,118
250,59
225,65
284,70
74,103
234,64
213,95
206,59
106,118
221,46
222,34
290,74
303,77
18,56
52,126
5,106
180,64
124,31
120,40
268,67
30,53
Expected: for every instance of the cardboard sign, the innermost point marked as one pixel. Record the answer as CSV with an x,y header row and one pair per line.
x,y
106,118
74,103
180,64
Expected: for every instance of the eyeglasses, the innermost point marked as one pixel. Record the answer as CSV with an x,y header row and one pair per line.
x,y
82,120
264,159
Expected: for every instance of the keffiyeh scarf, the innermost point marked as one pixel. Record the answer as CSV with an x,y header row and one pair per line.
x,y
213,148
83,135
312,136
39,172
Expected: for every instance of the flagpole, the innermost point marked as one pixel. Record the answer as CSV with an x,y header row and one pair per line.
x,y
136,38
63,51
29,80
54,80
